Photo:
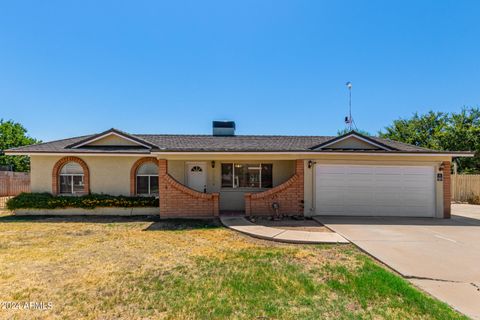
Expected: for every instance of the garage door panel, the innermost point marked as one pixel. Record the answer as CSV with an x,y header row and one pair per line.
x,y
374,190
387,170
332,198
357,184
394,211
341,211
413,170
386,177
386,197
415,178
330,183
359,169
330,170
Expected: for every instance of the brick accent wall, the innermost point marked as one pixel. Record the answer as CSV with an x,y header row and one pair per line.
x,y
133,172
447,193
179,201
289,195
56,174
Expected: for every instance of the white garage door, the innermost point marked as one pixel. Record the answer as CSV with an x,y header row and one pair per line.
x,y
375,190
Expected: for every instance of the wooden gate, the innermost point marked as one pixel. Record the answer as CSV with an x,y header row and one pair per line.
x,y
464,186
12,184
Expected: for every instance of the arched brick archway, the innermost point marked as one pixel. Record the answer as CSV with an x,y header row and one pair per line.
x,y
56,174
133,172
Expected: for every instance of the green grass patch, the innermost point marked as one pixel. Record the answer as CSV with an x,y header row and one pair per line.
x,y
374,287
271,284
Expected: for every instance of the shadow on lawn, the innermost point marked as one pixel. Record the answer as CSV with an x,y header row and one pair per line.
x,y
156,223
80,219
184,224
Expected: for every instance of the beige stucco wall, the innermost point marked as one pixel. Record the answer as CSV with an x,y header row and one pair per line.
x,y
352,143
112,140
110,175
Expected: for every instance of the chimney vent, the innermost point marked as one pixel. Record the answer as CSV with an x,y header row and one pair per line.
x,y
223,128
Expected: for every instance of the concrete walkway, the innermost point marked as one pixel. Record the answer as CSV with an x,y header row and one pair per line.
x,y
242,225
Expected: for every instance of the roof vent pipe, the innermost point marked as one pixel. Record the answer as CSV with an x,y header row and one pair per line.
x,y
223,128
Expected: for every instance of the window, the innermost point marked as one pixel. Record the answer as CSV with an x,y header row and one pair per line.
x,y
243,175
147,179
196,169
71,178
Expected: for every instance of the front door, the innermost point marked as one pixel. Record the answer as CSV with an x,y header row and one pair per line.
x,y
197,176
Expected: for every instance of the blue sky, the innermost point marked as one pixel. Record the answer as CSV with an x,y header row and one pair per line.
x,y
275,67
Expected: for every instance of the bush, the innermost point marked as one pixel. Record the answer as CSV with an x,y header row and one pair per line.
x,y
48,201
473,199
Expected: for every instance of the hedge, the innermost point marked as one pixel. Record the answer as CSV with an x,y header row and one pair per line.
x,y
91,201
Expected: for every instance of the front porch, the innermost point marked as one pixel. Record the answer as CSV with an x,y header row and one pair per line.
x,y
206,188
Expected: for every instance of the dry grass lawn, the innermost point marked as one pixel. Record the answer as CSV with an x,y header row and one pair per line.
x,y
122,268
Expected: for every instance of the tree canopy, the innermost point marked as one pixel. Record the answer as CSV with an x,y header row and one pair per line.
x,y
12,135
347,130
442,131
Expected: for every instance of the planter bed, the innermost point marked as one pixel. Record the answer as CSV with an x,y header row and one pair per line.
x,y
99,211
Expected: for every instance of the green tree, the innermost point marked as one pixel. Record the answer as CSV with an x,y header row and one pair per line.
x,y
12,135
346,130
463,133
442,131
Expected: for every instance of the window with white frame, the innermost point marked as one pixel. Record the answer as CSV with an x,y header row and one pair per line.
x,y
147,179
247,175
71,179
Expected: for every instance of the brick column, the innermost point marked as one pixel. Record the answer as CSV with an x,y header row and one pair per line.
x,y
300,172
447,195
248,200
216,207
162,185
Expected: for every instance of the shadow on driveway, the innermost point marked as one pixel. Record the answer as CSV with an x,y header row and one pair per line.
x,y
456,220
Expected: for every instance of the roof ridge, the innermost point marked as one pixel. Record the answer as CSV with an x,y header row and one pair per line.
x,y
237,135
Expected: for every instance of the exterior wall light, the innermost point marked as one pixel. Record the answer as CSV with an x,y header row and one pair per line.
x,y
213,164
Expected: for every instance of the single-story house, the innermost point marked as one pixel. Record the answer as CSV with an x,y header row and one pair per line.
x,y
205,175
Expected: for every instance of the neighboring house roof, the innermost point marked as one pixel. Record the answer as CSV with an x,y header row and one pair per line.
x,y
149,143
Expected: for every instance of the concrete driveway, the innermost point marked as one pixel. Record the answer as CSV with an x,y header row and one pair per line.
x,y
441,256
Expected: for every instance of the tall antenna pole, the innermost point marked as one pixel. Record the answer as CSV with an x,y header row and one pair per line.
x,y
349,119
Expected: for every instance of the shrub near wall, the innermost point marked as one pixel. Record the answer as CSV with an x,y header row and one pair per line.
x,y
48,201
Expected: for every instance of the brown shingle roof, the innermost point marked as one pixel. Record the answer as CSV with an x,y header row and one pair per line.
x,y
209,143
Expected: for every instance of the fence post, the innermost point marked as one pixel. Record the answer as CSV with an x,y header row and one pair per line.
x,y
9,181
454,186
